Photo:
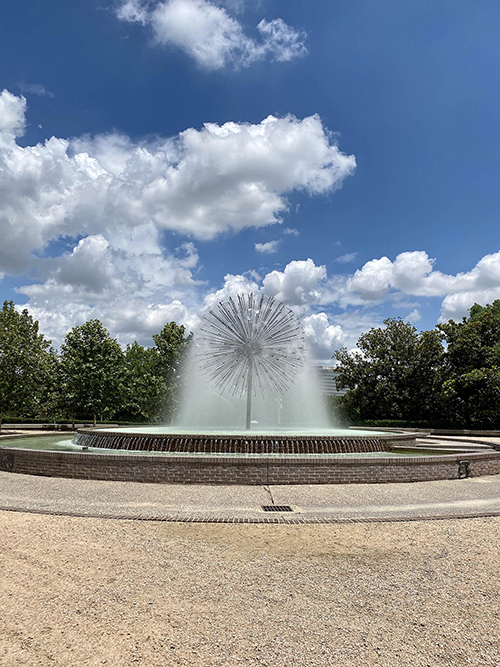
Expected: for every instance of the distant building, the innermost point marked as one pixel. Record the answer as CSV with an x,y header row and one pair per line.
x,y
327,381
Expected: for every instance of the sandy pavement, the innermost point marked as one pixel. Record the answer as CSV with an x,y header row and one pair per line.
x,y
79,591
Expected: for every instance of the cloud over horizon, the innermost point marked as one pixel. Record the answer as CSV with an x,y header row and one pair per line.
x,y
413,273
134,288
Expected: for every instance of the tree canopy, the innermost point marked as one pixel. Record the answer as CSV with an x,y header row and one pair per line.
x,y
392,374
471,391
91,371
24,361
448,376
171,345
144,386
91,376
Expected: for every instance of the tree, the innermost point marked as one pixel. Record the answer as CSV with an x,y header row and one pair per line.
x,y
471,391
171,345
144,385
395,373
92,371
24,361
50,386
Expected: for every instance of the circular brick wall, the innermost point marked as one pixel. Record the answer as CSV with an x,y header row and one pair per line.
x,y
259,470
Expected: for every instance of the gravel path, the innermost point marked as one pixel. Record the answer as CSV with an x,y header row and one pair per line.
x,y
81,591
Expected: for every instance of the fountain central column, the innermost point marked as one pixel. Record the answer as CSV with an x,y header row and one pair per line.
x,y
249,391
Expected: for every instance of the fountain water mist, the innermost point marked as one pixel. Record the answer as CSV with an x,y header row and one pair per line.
x,y
250,345
302,408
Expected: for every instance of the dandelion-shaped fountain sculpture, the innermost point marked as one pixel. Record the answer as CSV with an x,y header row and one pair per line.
x,y
250,343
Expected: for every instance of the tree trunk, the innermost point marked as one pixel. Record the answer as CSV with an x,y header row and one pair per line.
x,y
95,421
1,417
73,423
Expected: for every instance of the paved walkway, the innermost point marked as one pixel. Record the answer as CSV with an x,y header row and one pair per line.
x,y
243,504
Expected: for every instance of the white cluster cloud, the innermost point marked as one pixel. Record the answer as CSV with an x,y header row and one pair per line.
x,y
12,110
373,280
310,291
321,336
129,283
200,183
206,32
413,273
298,285
456,306
111,198
233,285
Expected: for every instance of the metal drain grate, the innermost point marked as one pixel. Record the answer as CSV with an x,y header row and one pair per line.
x,y
277,508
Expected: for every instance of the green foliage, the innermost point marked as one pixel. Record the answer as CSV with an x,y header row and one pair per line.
x,y
395,373
25,359
399,374
471,392
49,388
171,345
152,375
91,371
91,376
144,386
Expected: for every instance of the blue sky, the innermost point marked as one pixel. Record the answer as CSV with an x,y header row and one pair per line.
x,y
379,164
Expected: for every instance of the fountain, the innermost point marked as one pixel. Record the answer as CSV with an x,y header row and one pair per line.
x,y
248,391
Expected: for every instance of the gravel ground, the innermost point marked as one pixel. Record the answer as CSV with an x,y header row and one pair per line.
x,y
79,591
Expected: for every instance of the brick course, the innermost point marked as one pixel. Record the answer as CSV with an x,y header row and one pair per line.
x,y
245,470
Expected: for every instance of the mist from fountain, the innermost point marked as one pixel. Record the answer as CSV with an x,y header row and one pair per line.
x,y
303,408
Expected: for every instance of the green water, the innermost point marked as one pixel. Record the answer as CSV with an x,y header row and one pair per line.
x,y
58,443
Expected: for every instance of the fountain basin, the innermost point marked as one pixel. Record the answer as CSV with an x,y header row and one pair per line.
x,y
401,463
283,442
